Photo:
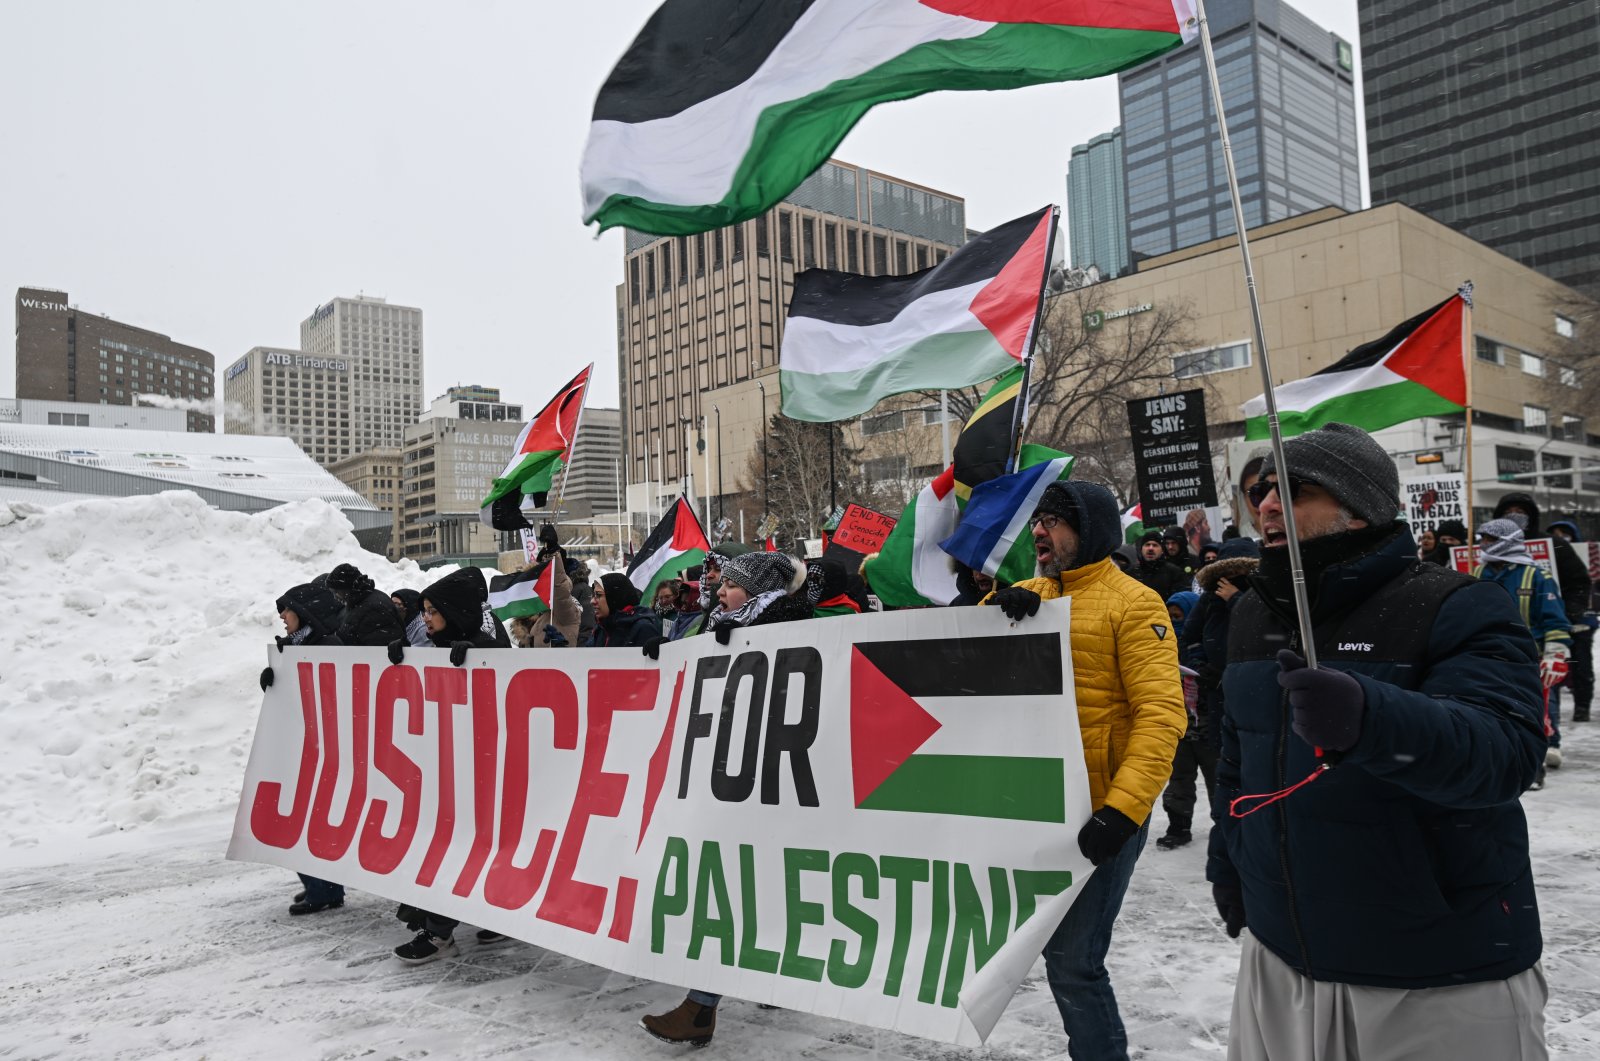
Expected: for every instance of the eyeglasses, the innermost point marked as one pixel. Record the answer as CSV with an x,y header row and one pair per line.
x,y
428,609
1048,521
1261,488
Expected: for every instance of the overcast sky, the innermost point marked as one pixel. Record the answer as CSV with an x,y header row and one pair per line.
x,y
215,170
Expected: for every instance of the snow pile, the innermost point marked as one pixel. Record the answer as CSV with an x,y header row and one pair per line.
x,y
135,632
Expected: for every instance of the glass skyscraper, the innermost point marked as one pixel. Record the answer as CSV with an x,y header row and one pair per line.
x,y
1097,206
1288,86
1486,116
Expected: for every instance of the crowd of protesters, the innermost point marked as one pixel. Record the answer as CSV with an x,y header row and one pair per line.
x,y
1367,840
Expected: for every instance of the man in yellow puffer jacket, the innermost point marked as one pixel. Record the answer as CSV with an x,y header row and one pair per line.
x,y
1131,713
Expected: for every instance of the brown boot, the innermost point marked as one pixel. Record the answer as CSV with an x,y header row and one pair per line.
x,y
690,1024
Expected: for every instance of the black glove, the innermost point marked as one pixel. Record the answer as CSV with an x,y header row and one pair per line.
x,y
266,678
553,637
1016,602
458,652
1327,704
281,642
1230,907
1103,835
723,632
652,647
397,651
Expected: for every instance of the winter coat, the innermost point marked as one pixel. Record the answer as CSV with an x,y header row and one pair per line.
x,y
1405,865
462,599
628,628
686,624
416,625
1538,604
1124,663
566,613
1571,570
1163,576
317,609
371,620
583,593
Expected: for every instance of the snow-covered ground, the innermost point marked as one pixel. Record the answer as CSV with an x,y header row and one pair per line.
x,y
129,694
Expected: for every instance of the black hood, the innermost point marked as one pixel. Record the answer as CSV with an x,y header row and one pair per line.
x,y
1094,515
459,597
316,607
410,600
1523,501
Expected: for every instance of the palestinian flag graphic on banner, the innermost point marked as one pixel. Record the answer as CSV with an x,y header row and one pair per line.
x,y
1416,370
851,341
523,593
940,727
542,450
720,108
677,543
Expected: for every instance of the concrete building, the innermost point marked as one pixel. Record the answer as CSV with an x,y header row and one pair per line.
x,y
375,475
1288,86
382,344
46,465
67,355
1484,118
86,414
273,391
1331,280
472,402
1097,206
700,318
446,466
593,484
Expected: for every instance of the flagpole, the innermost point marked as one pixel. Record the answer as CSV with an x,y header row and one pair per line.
x,y
1302,604
944,428
1465,291
1019,411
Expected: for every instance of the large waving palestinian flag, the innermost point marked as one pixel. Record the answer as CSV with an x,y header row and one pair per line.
x,y
720,108
851,341
542,450
1416,370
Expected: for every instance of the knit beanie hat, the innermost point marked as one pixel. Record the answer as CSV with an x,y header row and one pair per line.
x,y
620,593
1349,464
1451,528
1058,501
758,573
1174,534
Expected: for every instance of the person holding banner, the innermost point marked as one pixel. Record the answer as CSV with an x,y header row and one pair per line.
x,y
619,619
1389,896
1131,713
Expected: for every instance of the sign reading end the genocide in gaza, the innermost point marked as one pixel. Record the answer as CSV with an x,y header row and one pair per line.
x,y
872,818
1171,456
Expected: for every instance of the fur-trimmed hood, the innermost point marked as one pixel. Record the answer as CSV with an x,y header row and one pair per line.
x,y
1233,567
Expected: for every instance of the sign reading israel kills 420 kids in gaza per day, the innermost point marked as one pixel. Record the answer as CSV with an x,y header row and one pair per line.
x,y
872,818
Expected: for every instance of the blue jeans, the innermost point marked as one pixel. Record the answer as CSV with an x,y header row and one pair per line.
x,y
1075,960
321,891
705,998
1555,717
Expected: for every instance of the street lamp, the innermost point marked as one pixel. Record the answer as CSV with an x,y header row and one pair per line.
x,y
766,453
717,412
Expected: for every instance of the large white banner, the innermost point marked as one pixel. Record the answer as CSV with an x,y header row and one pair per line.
x,y
873,818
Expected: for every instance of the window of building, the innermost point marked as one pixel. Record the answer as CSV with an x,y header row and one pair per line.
x,y
737,253
785,237
878,425
1532,364
902,258
1565,373
1565,327
808,239
1216,359
886,468
1535,418
880,255
1572,428
761,236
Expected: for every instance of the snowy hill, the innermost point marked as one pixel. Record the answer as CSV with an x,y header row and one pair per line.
x,y
136,630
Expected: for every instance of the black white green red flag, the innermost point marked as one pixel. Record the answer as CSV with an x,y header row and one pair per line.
x,y
542,450
720,108
523,593
1416,370
851,341
677,543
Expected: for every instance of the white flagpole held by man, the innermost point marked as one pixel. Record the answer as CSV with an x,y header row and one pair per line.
x,y
1297,571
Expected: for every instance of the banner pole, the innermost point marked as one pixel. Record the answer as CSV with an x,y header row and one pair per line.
x,y
1302,605
1019,412
1465,291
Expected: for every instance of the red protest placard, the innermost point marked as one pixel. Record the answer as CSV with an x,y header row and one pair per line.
x,y
861,530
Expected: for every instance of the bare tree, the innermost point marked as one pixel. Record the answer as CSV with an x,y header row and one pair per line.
x,y
1572,384
794,457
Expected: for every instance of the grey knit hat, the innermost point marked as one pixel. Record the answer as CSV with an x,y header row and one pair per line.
x,y
758,573
1350,465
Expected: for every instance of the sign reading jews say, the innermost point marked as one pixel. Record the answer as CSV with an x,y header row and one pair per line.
x,y
1171,456
872,817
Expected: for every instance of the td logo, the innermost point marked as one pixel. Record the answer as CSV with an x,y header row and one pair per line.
x,y
1094,320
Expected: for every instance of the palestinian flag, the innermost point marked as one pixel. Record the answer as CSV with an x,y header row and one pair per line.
x,y
995,535
1133,525
677,544
523,593
911,571
542,449
955,726
720,108
851,341
1416,370
984,444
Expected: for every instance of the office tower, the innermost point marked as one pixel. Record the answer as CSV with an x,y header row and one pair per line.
x,y
1097,206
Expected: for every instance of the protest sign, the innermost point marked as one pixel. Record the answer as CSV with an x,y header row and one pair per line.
x,y
1433,499
872,818
861,532
1171,456
1465,558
